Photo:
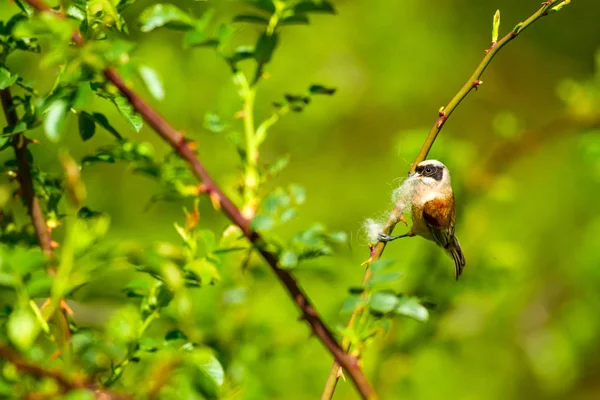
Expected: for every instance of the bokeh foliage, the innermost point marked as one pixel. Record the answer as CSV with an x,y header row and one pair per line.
x,y
190,303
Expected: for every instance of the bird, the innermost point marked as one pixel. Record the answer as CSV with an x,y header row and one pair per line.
x,y
432,206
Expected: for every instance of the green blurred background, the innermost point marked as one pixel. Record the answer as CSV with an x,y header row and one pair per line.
x,y
524,152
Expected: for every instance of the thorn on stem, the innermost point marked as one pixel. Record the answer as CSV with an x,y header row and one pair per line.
x,y
477,83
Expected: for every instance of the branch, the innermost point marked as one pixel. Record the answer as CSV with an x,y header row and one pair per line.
x,y
473,82
65,383
19,144
177,140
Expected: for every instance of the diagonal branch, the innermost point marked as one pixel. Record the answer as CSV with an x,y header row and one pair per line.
x,y
473,82
177,140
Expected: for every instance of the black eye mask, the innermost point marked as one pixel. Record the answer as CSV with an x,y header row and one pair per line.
x,y
432,171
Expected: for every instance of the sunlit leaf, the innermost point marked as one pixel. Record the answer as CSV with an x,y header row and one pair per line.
x,y
152,81
7,78
55,119
411,307
383,302
126,109
167,15
288,259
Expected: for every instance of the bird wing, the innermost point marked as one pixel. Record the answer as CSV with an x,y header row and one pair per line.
x,y
438,213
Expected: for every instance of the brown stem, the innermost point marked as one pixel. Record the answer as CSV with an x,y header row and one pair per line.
x,y
179,144
19,144
65,383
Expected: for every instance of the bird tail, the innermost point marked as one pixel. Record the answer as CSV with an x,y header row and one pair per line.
x,y
453,248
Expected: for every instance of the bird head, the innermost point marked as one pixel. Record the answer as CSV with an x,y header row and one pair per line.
x,y
431,173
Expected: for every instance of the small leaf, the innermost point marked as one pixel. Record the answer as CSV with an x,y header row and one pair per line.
x,y
22,328
320,89
198,39
412,308
379,265
384,278
205,270
213,122
103,122
295,20
495,27
560,5
287,215
264,48
55,119
152,82
126,110
175,334
322,6
87,126
298,193
383,302
338,237
352,303
251,19
167,15
263,5
262,223
288,259
6,78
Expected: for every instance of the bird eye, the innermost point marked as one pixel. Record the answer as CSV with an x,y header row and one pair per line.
x,y
428,170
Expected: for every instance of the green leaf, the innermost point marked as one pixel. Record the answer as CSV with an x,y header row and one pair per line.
x,y
87,126
288,259
137,288
411,307
124,324
320,89
23,328
495,26
262,223
152,82
6,78
199,39
338,237
103,122
213,122
322,6
379,265
126,110
352,303
264,48
205,270
383,302
287,215
298,193
251,19
55,119
384,278
263,5
167,15
295,20
175,334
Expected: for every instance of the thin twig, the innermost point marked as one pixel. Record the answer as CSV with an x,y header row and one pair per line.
x,y
177,140
473,82
65,383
